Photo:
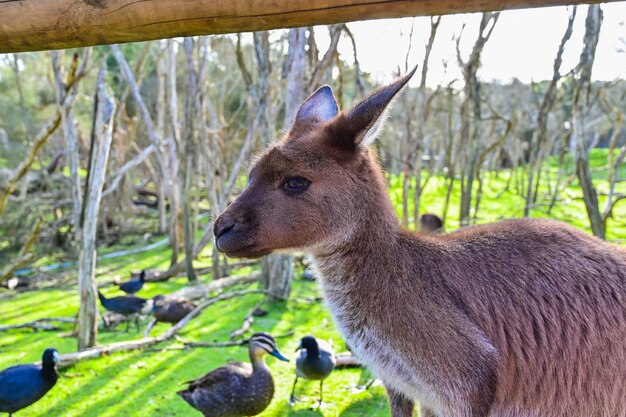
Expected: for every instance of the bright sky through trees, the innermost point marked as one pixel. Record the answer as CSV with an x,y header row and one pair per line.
x,y
522,46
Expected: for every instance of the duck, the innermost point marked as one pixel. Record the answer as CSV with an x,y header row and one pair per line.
x,y
237,389
126,305
171,310
315,362
134,285
22,385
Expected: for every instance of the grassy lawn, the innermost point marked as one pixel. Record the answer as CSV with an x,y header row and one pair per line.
x,y
145,382
499,202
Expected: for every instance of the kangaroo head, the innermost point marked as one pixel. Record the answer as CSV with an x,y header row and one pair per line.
x,y
315,187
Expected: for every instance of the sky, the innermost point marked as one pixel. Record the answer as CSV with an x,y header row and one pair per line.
x,y
523,44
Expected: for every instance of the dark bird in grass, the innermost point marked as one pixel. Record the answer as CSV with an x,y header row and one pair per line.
x,y
22,385
134,285
126,305
316,362
171,310
237,389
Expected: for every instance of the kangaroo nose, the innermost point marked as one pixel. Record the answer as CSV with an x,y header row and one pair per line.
x,y
223,225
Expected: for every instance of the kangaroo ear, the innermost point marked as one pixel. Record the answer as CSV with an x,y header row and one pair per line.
x,y
367,117
320,107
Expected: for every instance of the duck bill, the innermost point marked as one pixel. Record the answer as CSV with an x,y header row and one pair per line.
x,y
275,353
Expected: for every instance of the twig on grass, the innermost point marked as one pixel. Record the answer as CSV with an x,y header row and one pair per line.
x,y
247,323
39,324
191,344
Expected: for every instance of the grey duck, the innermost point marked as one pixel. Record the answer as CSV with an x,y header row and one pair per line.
x,y
316,362
236,389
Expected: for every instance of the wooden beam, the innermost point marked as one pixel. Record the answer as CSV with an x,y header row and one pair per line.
x,y
31,25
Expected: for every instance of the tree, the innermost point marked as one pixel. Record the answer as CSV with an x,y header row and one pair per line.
x,y
540,134
101,138
580,104
278,268
471,115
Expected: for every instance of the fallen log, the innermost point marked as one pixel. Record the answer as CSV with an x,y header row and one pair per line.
x,y
179,270
202,291
347,360
69,359
151,324
185,344
39,324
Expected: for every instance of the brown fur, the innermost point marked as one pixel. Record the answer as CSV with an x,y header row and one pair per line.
x,y
518,318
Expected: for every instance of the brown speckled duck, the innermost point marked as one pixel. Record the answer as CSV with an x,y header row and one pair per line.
x,y
237,389
171,310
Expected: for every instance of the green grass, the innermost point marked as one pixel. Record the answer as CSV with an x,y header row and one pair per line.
x,y
500,203
145,382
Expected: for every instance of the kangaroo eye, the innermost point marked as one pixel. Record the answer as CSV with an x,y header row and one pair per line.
x,y
296,184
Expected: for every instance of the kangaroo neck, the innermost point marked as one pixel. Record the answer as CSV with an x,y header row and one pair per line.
x,y
374,241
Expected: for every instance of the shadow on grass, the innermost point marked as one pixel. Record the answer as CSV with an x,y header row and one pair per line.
x,y
310,412
364,407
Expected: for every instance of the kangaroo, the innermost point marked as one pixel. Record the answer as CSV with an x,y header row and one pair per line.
x,y
517,318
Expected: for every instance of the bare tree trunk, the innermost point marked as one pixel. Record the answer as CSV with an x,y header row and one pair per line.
x,y
422,117
188,146
167,170
541,132
580,106
69,131
408,143
161,109
471,114
614,164
101,139
172,165
278,268
450,160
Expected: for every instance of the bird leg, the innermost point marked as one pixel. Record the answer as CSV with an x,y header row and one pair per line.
x,y
137,322
292,398
321,392
127,326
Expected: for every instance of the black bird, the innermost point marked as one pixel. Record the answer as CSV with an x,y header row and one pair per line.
x,y
237,389
134,285
170,310
126,305
316,362
22,385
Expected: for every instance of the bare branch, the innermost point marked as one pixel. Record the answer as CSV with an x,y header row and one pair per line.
x,y
323,65
117,178
247,322
24,256
360,83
